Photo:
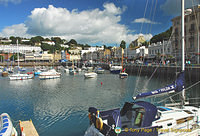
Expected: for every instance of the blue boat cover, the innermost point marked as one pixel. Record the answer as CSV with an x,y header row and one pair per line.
x,y
177,86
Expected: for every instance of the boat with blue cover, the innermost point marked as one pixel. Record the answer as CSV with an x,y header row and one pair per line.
x,y
6,126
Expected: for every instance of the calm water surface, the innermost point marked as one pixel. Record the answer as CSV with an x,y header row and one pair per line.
x,y
58,107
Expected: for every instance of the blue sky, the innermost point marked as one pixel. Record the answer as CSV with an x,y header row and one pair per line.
x,y
88,21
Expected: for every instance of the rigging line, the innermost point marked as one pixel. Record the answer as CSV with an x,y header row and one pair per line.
x,y
180,92
150,15
150,77
144,15
153,15
195,15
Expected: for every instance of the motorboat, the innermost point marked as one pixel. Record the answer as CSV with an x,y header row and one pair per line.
x,y
100,70
50,74
90,75
19,76
115,69
6,126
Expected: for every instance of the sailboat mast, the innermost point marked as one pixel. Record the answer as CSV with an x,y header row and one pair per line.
x,y
17,54
183,35
122,58
183,46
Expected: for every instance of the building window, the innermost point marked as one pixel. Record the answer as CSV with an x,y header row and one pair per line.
x,y
192,17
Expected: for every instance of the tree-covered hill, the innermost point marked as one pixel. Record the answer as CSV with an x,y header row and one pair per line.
x,y
162,36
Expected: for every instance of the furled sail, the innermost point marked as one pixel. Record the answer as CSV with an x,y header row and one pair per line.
x,y
177,86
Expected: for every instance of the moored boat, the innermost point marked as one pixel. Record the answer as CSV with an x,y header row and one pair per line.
x,y
6,128
50,74
115,69
19,76
90,75
123,75
100,70
4,73
140,118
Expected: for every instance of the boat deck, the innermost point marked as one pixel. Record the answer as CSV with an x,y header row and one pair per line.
x,y
28,128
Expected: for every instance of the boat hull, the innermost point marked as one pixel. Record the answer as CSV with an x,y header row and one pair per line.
x,y
20,77
7,128
48,76
90,75
123,75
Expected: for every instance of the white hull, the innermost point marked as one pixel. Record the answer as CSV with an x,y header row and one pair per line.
x,y
51,74
123,75
90,75
20,77
7,128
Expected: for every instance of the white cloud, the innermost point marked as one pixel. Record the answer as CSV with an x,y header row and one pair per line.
x,y
88,26
15,30
144,20
173,7
7,1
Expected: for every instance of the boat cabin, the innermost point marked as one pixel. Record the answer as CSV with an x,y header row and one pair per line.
x,y
135,118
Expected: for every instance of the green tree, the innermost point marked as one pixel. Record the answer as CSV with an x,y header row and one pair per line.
x,y
57,40
162,36
37,39
13,57
72,41
123,44
1,58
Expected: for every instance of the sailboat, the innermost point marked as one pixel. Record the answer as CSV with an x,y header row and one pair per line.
x,y
141,118
20,76
123,74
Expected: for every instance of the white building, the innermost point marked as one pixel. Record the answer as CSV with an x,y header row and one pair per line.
x,y
21,49
91,49
49,42
160,48
135,53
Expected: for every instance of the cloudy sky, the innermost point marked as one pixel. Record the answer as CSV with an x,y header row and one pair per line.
x,y
88,21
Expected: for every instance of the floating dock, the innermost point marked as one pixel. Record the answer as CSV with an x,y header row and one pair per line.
x,y
28,128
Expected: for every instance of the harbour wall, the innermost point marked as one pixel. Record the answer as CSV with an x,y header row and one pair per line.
x,y
192,73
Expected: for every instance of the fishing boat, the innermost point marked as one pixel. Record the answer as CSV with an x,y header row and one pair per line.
x,y
141,118
6,128
50,74
90,75
19,76
122,73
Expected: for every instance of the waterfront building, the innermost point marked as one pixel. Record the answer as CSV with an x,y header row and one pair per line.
x,y
75,54
138,41
192,25
21,48
160,49
49,42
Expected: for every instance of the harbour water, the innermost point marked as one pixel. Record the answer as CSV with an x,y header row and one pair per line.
x,y
59,107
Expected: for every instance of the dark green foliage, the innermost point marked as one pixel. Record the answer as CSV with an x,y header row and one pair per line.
x,y
162,36
13,57
57,40
123,44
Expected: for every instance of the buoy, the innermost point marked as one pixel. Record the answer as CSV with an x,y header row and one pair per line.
x,y
101,83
